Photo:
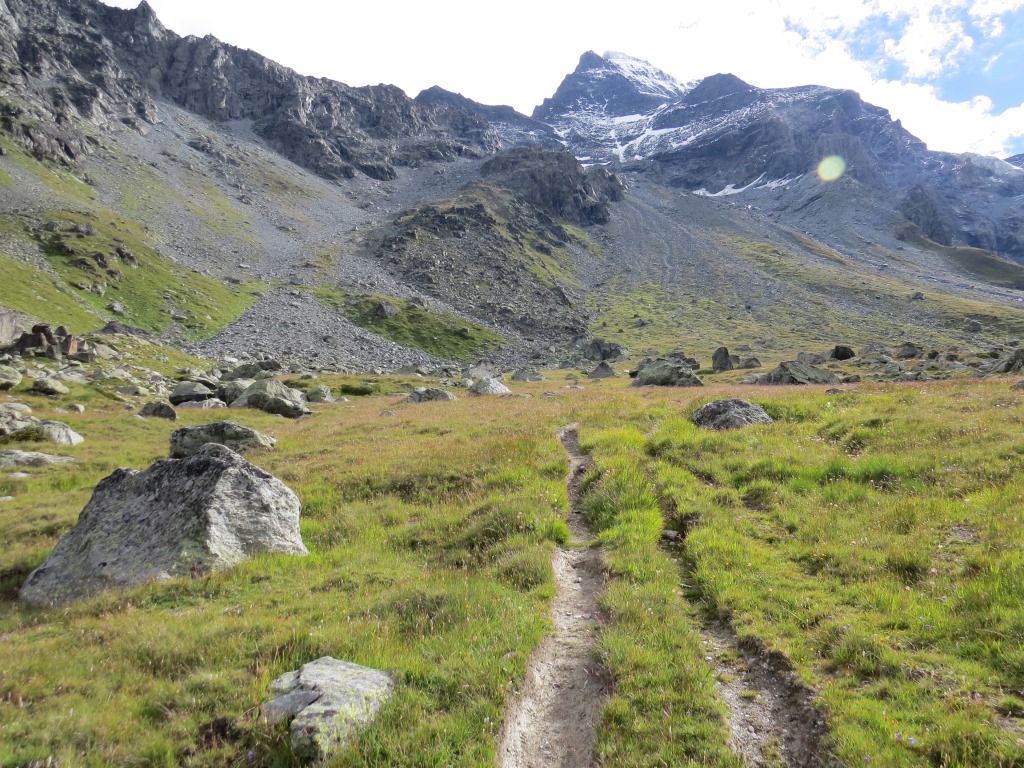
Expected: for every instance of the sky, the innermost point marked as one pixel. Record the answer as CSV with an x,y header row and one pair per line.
x,y
951,70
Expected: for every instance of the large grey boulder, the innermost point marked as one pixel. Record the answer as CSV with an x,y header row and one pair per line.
x,y
602,371
158,410
666,373
180,517
429,395
793,372
527,374
11,328
188,441
326,702
10,459
730,414
488,386
321,393
190,391
1011,362
50,387
9,378
252,370
14,417
229,391
721,361
272,396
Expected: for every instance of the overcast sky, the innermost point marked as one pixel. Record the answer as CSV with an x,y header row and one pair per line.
x,y
951,70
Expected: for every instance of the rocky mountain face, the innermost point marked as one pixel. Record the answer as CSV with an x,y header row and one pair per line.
x,y
89,63
722,137
514,128
501,248
240,207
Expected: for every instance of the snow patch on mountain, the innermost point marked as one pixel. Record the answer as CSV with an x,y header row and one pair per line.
x,y
646,79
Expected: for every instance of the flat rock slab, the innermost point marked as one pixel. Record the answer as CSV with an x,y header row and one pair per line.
x,y
795,372
30,459
429,395
48,432
730,414
326,702
179,517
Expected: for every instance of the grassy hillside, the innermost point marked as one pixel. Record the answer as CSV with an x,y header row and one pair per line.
x,y
439,333
869,543
97,257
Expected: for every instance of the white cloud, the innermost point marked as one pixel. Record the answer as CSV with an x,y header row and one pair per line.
x,y
929,45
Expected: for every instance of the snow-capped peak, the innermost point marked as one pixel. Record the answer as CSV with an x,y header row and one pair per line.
x,y
646,78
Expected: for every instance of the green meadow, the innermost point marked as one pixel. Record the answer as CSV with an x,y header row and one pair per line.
x,y
871,541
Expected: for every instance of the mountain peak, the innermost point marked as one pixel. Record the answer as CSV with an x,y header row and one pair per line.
x,y
615,83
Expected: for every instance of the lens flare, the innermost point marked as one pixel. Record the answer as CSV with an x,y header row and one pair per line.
x,y
831,168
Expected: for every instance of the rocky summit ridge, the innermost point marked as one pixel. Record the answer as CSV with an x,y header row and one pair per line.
x,y
208,195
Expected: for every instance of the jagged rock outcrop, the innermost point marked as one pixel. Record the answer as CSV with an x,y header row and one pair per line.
x,y
555,182
81,61
180,517
514,128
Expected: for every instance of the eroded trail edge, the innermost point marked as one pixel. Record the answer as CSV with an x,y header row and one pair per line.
x,y
553,721
772,719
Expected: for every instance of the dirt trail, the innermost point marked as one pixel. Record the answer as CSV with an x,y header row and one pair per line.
x,y
772,721
553,721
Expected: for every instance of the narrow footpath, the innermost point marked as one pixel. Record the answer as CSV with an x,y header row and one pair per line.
x,y
553,721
